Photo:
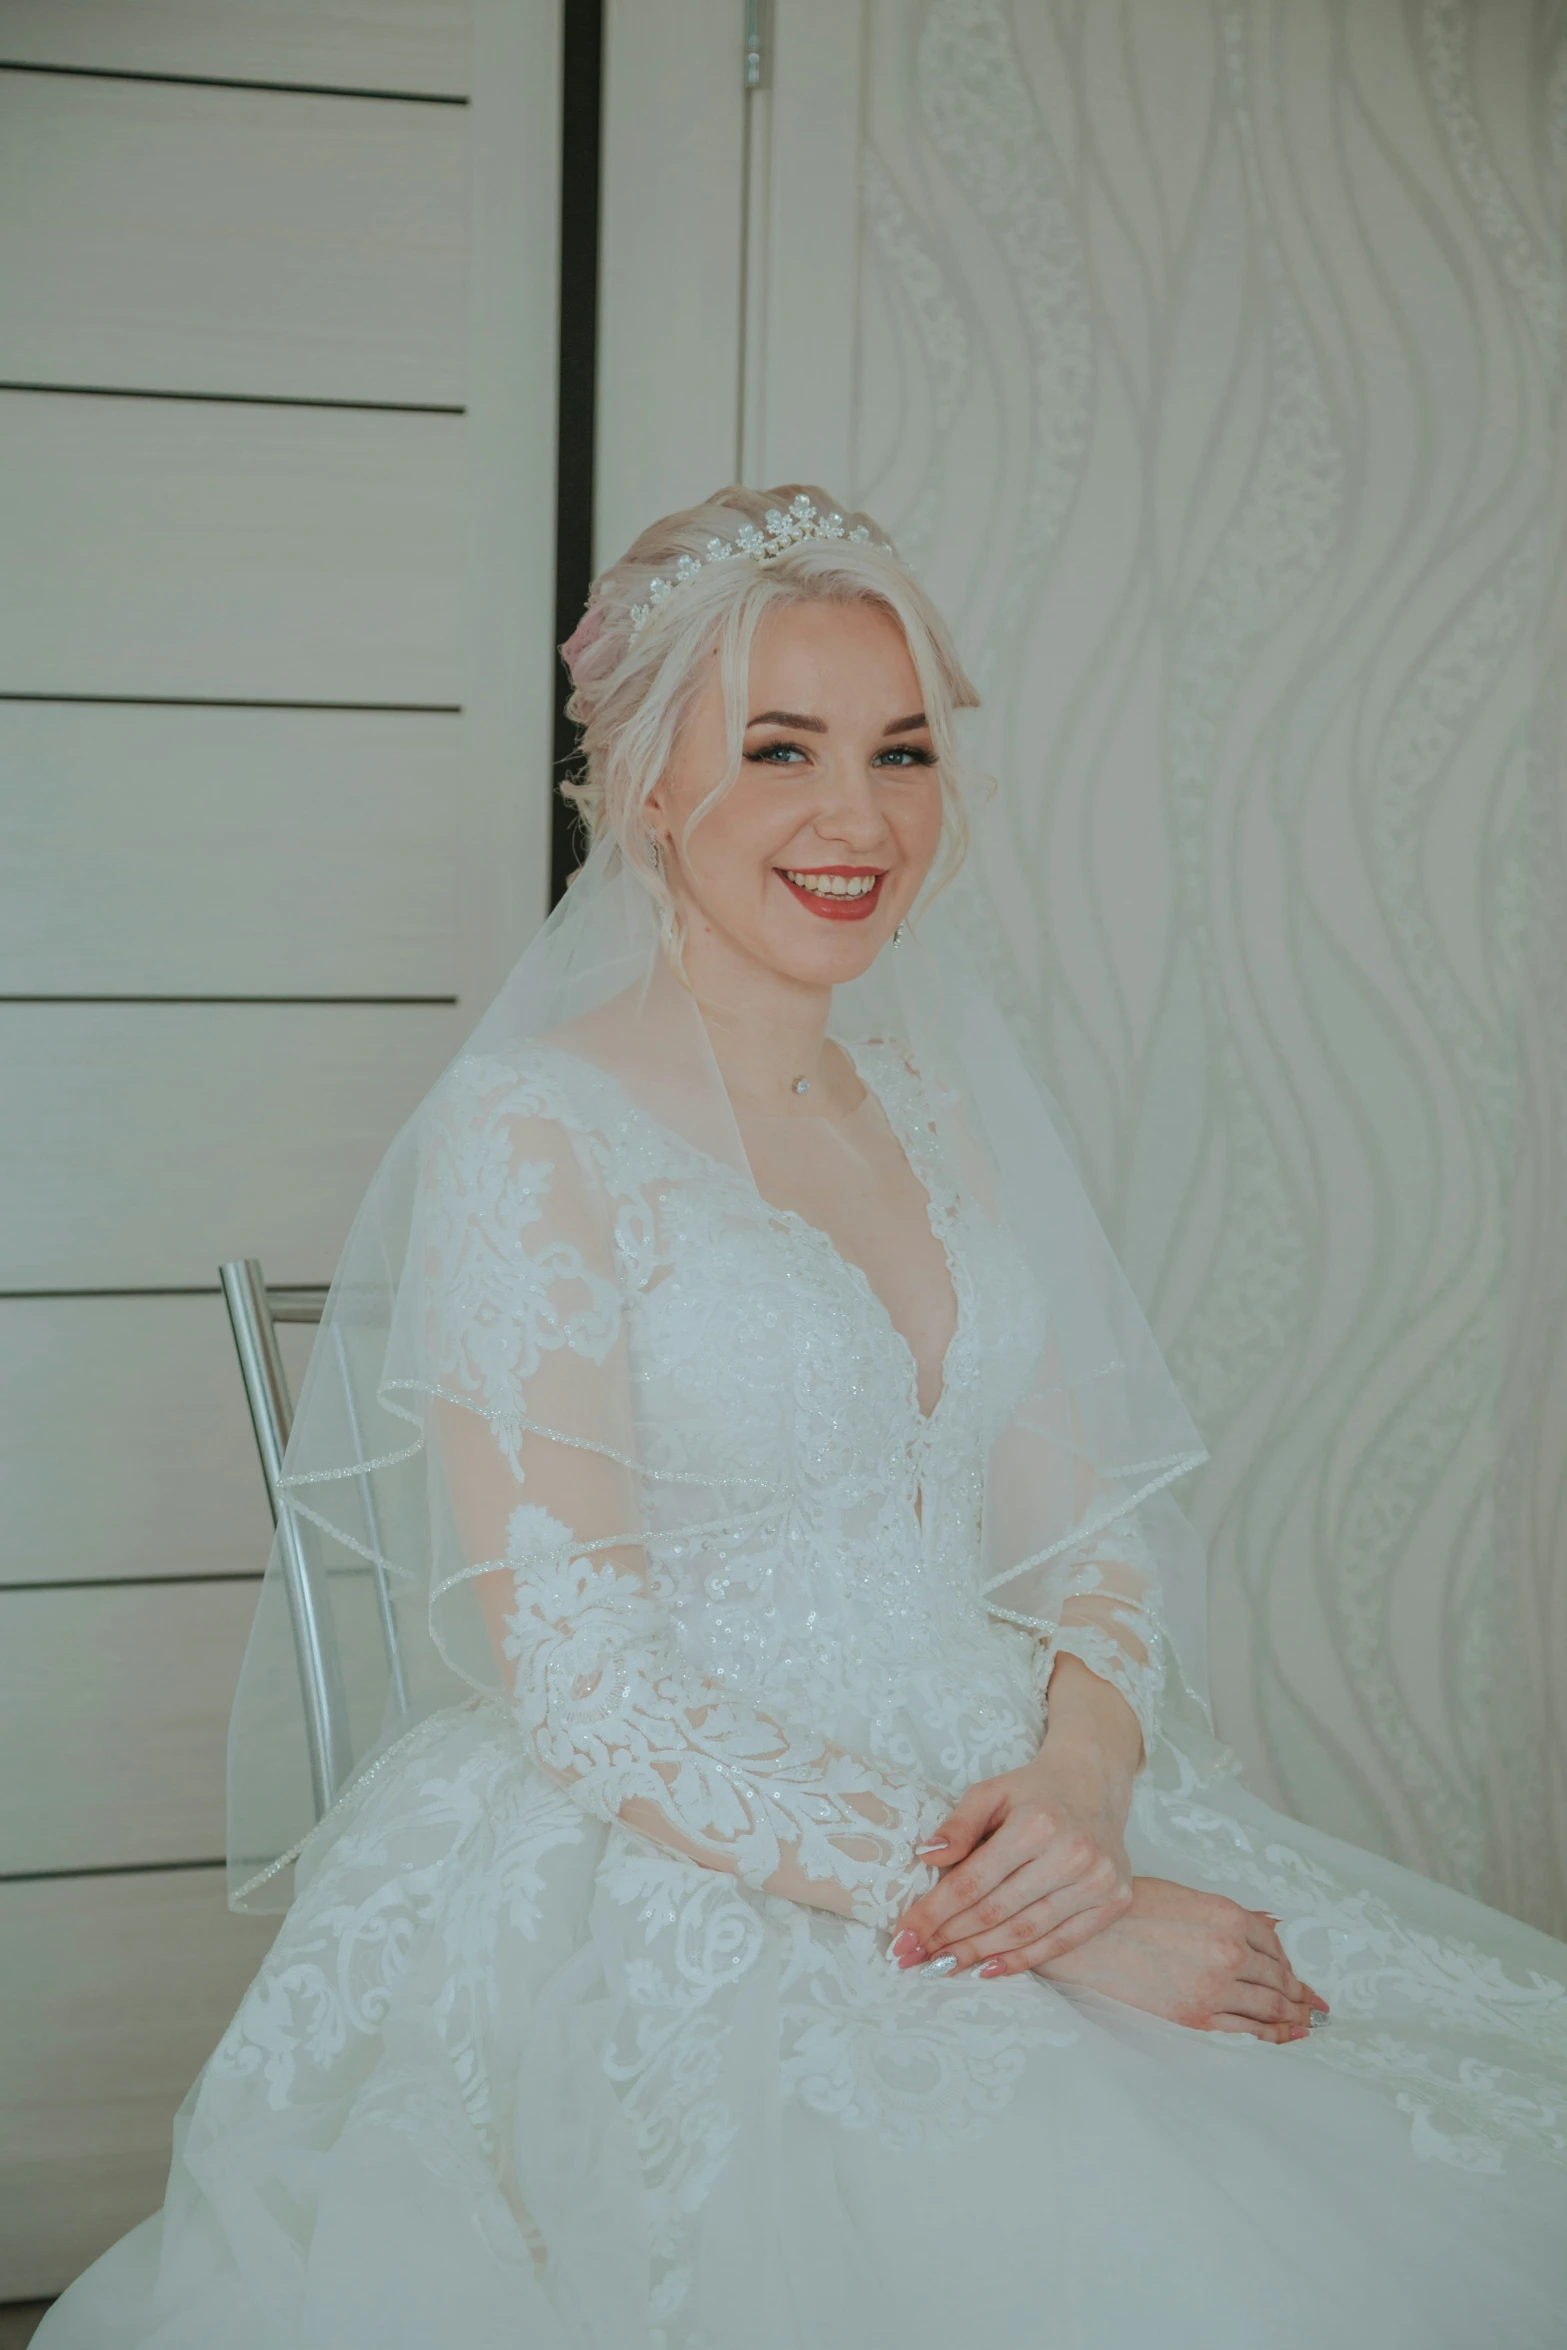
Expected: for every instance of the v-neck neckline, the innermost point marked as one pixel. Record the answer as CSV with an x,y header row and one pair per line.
x,y
937,1219
925,1422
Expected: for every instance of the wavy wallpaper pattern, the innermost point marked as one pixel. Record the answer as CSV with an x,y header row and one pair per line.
x,y
1210,360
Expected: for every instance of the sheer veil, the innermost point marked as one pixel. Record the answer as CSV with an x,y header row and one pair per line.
x,y
1088,1450
1080,1539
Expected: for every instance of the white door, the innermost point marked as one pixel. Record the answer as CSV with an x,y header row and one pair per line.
x,y
277,456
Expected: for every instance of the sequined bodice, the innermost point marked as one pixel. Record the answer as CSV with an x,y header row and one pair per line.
x,y
761,1356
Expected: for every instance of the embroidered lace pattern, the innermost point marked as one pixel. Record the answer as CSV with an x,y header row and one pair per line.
x,y
615,1714
731,1725
1373,1967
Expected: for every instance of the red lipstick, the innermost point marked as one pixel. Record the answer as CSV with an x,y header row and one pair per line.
x,y
833,909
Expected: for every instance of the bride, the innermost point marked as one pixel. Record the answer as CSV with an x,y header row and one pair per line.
x,y
792,1897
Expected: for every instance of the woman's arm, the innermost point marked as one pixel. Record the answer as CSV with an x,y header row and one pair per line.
x,y
533,1430
1035,1862
616,1715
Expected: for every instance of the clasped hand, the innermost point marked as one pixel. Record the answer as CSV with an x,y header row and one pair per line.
x,y
1035,1875
1033,1864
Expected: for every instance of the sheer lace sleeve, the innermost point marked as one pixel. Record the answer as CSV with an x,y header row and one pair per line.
x,y
1071,1554
1109,1618
534,1432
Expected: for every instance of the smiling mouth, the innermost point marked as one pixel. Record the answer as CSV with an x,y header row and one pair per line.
x,y
839,893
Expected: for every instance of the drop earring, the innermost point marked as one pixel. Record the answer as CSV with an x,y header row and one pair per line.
x,y
897,936
653,850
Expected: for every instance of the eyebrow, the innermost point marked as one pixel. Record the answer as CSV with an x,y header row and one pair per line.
x,y
819,725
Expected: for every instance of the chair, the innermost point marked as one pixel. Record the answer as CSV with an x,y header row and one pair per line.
x,y
255,1310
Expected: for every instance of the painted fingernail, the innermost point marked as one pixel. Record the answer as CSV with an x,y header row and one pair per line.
x,y
907,1940
939,1845
915,1957
945,1965
994,1966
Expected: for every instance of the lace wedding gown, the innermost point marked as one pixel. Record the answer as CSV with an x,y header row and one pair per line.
x,y
581,2030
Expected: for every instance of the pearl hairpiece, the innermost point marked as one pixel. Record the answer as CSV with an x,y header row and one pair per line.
x,y
784,530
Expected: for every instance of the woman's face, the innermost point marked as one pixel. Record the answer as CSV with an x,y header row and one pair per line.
x,y
809,862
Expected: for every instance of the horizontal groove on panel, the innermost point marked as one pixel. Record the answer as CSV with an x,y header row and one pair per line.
x,y
217,81
239,399
232,702
327,1002
135,1582
127,1868
31,1296
131,1582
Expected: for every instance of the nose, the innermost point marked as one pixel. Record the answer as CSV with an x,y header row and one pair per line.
x,y
851,813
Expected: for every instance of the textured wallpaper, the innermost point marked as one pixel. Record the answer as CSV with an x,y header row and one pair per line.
x,y
1209,365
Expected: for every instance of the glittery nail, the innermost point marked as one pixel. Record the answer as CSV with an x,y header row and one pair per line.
x,y
945,1965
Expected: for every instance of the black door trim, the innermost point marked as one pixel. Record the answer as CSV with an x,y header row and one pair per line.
x,y
582,91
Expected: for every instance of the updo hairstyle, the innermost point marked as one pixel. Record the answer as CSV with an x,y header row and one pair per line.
x,y
631,689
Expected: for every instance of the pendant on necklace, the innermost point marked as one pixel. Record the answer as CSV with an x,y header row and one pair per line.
x,y
802,1085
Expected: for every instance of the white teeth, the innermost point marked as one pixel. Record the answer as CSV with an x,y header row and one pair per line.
x,y
834,885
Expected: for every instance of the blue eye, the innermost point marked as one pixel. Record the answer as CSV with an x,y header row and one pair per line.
x,y
776,755
905,755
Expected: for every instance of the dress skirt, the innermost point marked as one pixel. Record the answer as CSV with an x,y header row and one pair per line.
x,y
513,2080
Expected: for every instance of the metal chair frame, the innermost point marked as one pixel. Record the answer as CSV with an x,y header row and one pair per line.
x,y
255,1310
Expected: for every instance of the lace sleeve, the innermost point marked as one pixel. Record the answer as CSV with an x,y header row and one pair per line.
x,y
534,1433
1109,1619
615,1713
1070,1554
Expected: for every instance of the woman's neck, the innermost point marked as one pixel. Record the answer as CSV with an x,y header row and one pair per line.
x,y
768,1032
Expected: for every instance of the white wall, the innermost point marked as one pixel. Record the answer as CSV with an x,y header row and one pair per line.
x,y
277,303
1205,357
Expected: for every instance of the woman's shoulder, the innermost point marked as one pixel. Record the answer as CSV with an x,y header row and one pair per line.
x,y
536,1078
543,1100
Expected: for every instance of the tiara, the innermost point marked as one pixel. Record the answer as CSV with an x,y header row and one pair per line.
x,y
784,530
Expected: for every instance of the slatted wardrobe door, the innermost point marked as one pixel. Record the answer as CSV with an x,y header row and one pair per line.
x,y
277,322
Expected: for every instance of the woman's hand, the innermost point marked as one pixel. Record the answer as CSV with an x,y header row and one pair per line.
x,y
1033,1864
1195,1959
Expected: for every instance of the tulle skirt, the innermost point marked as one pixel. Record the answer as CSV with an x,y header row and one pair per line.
x,y
512,2078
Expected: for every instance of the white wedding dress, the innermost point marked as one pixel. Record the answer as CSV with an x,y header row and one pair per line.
x,y
581,2032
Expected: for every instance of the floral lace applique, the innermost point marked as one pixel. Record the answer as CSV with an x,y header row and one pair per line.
x,y
1371,1965
616,1714
1461,2110
924,2064
387,1877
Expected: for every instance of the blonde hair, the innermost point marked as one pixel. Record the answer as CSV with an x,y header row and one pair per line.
x,y
632,688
